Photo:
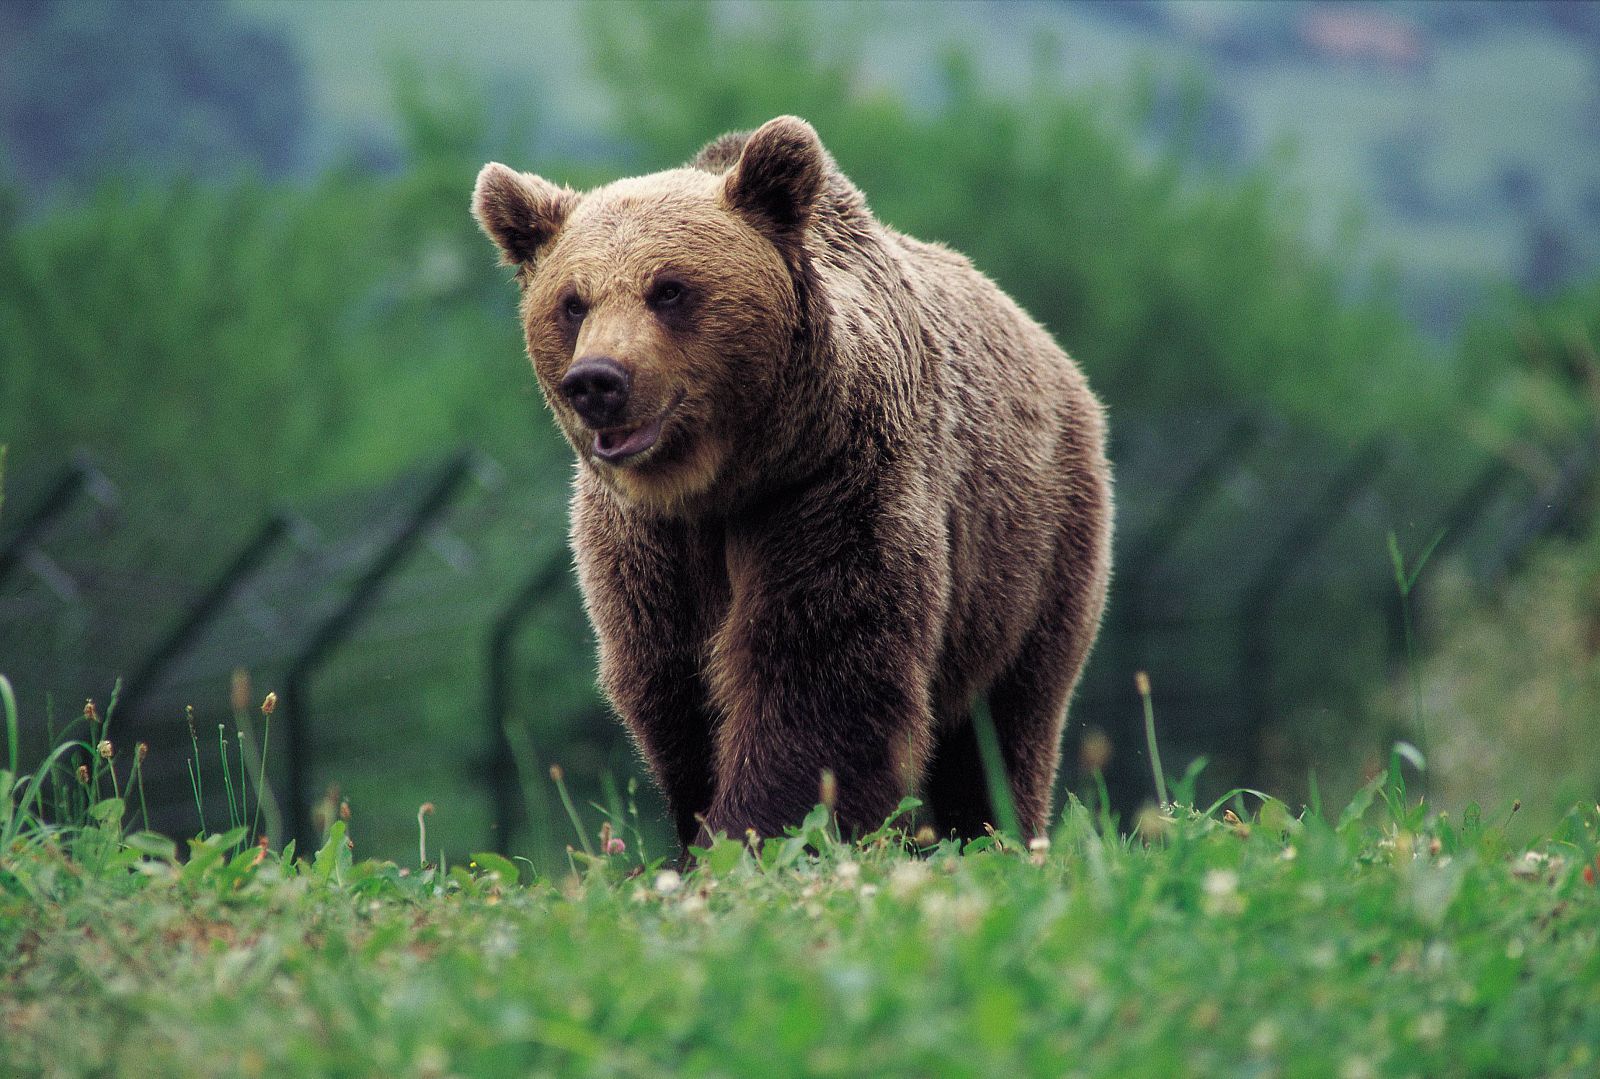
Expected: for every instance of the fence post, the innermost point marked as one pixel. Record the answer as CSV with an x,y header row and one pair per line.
x,y
78,476
333,630
1452,527
503,761
1549,507
1122,637
1255,610
205,607
1181,508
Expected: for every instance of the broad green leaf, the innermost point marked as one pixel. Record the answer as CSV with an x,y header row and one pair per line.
x,y
108,811
722,856
327,864
892,822
1412,755
152,845
1183,789
504,867
1360,802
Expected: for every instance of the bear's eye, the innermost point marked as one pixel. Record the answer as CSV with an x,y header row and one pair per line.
x,y
574,308
666,294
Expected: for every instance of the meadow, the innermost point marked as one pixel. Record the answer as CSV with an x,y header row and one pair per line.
x,y
1245,937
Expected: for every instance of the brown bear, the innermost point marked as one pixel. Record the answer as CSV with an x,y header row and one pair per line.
x,y
832,485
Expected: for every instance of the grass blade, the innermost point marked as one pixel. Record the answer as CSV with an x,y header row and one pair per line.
x,y
196,779
227,778
9,698
994,771
572,811
1141,682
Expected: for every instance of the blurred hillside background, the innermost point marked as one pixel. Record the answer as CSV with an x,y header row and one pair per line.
x,y
1335,269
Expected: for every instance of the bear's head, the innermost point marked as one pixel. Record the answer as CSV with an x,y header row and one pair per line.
x,y
660,310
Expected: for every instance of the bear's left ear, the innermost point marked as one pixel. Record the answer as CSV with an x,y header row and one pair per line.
x,y
779,175
519,211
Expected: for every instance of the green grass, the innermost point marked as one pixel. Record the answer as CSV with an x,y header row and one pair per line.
x,y
1386,940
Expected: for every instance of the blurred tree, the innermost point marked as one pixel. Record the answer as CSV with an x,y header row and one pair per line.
x,y
89,87
1533,368
1511,689
1171,290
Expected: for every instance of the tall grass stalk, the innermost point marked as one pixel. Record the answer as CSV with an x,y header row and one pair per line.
x,y
111,767
572,811
1141,682
98,763
525,759
422,834
227,776
994,771
8,699
1406,583
137,780
613,797
633,815
263,790
244,786
196,780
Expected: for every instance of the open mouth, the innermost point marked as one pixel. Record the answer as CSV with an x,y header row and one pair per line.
x,y
617,444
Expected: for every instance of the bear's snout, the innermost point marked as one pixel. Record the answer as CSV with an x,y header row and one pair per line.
x,y
597,389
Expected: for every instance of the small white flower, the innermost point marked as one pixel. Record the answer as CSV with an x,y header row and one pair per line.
x,y
1429,1026
668,881
906,878
1221,888
1531,865
1356,1068
1264,1036
1220,883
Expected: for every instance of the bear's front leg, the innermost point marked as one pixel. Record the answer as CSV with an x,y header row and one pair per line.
x,y
823,664
653,589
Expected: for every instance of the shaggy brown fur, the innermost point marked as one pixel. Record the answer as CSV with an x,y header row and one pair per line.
x,y
869,487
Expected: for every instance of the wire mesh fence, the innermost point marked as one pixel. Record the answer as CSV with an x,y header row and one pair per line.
x,y
427,643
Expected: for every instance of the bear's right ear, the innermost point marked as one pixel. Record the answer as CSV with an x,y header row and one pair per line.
x,y
519,211
779,174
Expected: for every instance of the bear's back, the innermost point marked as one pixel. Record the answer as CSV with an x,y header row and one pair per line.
x,y
1018,444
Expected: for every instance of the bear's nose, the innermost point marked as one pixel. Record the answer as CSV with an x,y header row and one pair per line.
x,y
597,388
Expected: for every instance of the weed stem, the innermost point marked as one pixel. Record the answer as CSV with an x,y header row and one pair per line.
x,y
1141,682
572,810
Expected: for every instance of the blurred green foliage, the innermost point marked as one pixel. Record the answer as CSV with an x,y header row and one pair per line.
x,y
310,319
1538,361
1170,288
1511,690
259,338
